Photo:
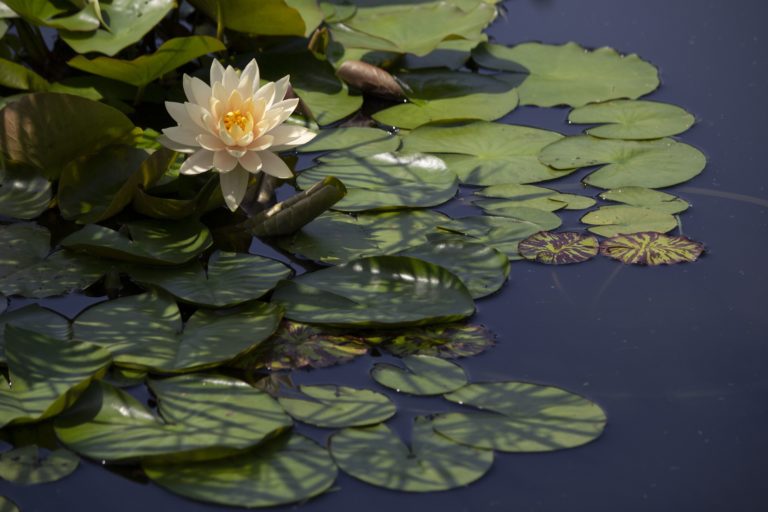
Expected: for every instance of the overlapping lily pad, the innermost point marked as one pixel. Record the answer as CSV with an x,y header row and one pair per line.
x,y
25,465
7,505
521,417
652,164
265,17
338,406
56,14
352,142
646,198
631,119
376,292
483,153
422,375
650,248
512,196
24,192
442,340
569,74
621,219
559,248
34,318
377,456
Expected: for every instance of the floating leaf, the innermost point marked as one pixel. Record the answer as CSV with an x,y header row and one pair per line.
x,y
646,198
338,406
568,74
297,345
147,68
145,331
34,318
634,120
423,375
229,279
203,417
450,96
279,472
7,505
616,220
370,79
387,181
25,466
484,153
521,417
377,456
352,142
530,196
52,14
559,248
376,292
650,248
264,17
24,193
46,374
446,340
653,164
23,244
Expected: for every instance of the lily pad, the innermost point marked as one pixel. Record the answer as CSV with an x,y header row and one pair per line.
x,y
228,279
617,220
646,198
153,242
17,76
651,248
387,181
484,153
447,341
199,421
145,331
338,406
633,120
569,74
521,417
352,142
376,292
450,96
652,164
25,466
264,17
46,374
281,471
377,456
559,248
423,375
24,192
530,196
55,15
7,505
34,318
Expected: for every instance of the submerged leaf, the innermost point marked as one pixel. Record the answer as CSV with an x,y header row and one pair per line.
x,y
650,248
338,406
559,248
423,375
444,340
631,119
25,466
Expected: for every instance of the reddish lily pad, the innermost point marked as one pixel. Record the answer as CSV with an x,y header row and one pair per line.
x,y
559,248
651,248
446,341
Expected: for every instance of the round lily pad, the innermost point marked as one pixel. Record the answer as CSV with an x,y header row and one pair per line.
x,y
25,466
444,340
559,248
513,195
521,417
633,119
650,248
377,456
621,219
352,142
34,318
338,406
423,375
646,198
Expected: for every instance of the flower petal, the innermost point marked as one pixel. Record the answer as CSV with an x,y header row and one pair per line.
x,y
196,114
217,72
287,137
248,78
281,88
175,146
198,163
251,162
223,161
186,135
274,165
231,79
233,187
262,143
236,152
267,93
196,90
210,142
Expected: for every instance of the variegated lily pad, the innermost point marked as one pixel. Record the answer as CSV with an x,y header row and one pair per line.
x,y
651,248
559,248
445,341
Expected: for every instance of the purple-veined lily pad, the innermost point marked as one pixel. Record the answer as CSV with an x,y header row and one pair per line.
x,y
651,248
559,248
446,341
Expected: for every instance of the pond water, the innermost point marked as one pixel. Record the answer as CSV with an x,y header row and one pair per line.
x,y
676,356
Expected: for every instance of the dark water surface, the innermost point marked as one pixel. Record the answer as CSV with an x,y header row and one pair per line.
x,y
677,356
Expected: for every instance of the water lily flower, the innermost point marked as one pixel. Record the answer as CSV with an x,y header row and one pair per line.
x,y
234,127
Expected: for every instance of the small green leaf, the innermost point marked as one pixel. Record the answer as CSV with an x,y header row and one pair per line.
x,y
646,198
650,248
559,248
616,220
24,465
444,340
634,120
423,375
338,407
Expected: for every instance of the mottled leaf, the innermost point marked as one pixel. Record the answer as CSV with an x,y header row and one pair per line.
x,y
34,318
423,375
338,406
442,340
650,248
559,248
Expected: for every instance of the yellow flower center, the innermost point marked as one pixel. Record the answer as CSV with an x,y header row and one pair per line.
x,y
235,117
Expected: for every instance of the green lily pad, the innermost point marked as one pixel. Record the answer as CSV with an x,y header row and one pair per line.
x,y
7,505
617,220
16,76
49,130
353,142
376,292
377,456
513,195
264,17
651,248
281,471
447,341
652,164
634,120
297,345
423,376
521,417
481,268
559,248
23,244
25,466
34,318
129,21
387,181
46,374
450,96
153,242
198,421
145,331
569,74
147,68
646,198
55,15
484,153
338,406
228,279
24,193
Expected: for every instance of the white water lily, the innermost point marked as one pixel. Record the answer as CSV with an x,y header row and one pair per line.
x,y
234,127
